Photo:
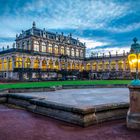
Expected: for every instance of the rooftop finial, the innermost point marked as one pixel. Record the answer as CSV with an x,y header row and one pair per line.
x,y
135,40
34,25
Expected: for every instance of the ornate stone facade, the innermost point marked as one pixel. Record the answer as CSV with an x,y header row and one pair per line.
x,y
39,54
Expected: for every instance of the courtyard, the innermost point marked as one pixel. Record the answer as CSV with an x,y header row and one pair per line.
x,y
17,124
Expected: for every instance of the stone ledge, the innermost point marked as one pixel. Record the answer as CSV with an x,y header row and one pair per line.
x,y
82,116
3,98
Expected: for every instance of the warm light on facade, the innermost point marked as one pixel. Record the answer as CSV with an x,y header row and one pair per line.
x,y
134,62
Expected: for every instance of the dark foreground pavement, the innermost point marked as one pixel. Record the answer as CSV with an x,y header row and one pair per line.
x,y
18,124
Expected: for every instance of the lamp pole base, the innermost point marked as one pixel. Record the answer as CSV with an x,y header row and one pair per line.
x,y
133,115
133,120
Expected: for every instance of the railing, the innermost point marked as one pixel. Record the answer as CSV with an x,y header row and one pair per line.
x,y
107,56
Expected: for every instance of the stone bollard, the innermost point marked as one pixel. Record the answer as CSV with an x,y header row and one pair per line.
x,y
133,115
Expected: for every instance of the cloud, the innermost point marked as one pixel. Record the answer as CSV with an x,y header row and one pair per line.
x,y
92,43
90,20
125,28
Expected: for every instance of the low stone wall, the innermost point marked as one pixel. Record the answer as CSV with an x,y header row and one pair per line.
x,y
23,90
3,98
82,116
94,86
54,88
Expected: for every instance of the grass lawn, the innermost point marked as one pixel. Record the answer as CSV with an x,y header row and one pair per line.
x,y
56,83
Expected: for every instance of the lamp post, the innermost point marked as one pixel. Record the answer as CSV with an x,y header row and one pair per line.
x,y
133,115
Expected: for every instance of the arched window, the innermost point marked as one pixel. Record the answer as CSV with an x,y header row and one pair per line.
x,y
27,63
77,66
100,66
106,65
36,46
44,65
69,66
73,66
36,63
63,64
50,64
113,65
120,65
94,67
18,62
10,64
88,66
56,65
0,65
43,47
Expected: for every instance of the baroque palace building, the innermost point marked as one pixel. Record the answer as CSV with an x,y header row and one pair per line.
x,y
39,54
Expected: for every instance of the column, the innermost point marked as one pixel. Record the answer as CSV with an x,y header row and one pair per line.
x,y
40,46
116,65
53,50
124,65
23,62
109,66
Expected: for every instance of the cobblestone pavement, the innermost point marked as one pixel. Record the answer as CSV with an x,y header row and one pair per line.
x,y
85,97
18,124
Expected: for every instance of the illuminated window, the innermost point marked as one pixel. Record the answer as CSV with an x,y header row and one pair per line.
x,y
88,66
10,64
94,66
81,53
50,64
62,50
50,48
72,52
77,52
18,62
44,65
36,46
68,51
27,63
36,63
0,65
43,47
56,65
120,65
113,65
56,49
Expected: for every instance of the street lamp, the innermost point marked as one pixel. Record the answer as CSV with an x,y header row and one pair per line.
x,y
133,115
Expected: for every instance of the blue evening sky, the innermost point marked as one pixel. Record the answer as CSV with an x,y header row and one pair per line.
x,y
105,25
